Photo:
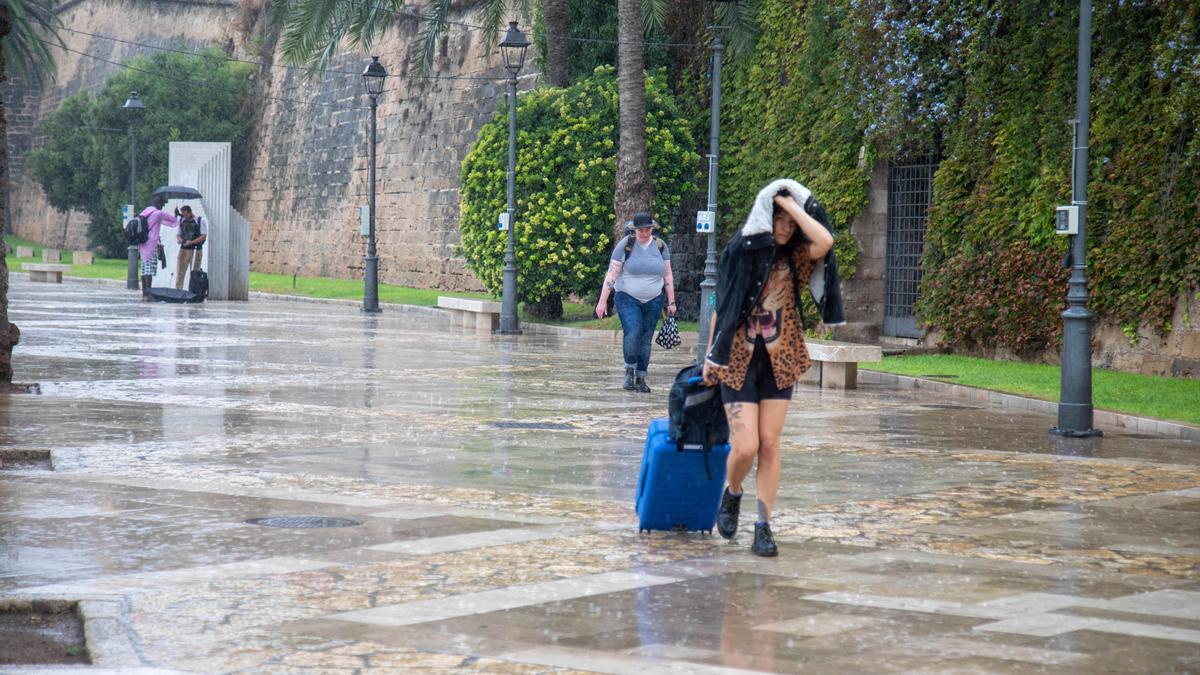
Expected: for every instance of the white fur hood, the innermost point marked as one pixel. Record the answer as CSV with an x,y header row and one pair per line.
x,y
760,219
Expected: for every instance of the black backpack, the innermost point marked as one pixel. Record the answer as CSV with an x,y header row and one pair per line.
x,y
696,413
137,230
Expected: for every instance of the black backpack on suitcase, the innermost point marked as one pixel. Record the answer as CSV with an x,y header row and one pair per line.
x,y
198,285
696,412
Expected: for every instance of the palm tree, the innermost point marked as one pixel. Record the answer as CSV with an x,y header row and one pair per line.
x,y
27,28
634,189
556,16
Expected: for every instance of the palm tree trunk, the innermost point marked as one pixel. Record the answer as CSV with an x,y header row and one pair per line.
x,y
634,189
557,17
9,335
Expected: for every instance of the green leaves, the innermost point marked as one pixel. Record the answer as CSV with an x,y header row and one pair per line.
x,y
27,46
84,162
566,160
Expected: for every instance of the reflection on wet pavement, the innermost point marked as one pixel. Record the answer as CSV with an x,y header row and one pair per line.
x,y
494,477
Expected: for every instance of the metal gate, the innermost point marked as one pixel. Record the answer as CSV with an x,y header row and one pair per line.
x,y
910,189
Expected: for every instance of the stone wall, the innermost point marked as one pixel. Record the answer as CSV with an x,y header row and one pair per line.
x,y
87,63
308,169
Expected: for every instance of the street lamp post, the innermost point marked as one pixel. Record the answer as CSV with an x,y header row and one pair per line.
x,y
134,108
513,47
1075,399
709,285
373,77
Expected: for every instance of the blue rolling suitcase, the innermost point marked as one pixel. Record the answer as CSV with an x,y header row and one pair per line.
x,y
679,489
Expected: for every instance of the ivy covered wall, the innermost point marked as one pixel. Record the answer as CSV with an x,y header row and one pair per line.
x,y
835,86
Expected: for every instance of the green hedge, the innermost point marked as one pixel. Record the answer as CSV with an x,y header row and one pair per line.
x,y
566,162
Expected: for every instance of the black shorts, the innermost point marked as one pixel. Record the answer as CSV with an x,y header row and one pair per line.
x,y
759,384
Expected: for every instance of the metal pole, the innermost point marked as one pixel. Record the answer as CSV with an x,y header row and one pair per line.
x,y
1075,399
371,261
508,301
708,287
132,280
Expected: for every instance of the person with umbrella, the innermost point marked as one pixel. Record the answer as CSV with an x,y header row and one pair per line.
x,y
155,218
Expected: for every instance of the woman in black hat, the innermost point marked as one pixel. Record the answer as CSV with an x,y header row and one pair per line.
x,y
639,272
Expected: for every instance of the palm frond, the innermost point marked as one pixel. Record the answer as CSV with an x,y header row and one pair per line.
x,y
314,29
742,29
27,47
433,24
655,13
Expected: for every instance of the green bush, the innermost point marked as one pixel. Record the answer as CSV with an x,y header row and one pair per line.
x,y
566,160
84,163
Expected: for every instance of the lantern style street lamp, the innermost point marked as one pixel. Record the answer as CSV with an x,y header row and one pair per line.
x,y
133,109
513,48
373,77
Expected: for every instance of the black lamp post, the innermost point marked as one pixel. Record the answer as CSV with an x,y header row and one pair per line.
x,y
1075,393
513,47
133,108
373,77
708,287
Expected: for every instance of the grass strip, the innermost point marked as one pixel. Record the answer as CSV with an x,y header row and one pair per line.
x,y
1168,398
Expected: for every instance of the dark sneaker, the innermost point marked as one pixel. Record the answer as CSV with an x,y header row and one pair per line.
x,y
628,385
640,385
727,516
764,541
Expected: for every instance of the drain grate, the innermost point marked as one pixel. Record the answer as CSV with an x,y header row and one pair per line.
x,y
303,522
940,376
26,459
547,426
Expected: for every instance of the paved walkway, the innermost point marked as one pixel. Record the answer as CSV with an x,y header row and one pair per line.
x,y
493,479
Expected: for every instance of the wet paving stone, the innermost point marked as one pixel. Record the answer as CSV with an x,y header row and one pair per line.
x,y
493,478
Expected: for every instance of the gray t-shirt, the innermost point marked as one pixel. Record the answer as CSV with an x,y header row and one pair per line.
x,y
642,273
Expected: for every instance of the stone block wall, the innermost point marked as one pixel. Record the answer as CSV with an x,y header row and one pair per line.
x,y
863,294
138,27
308,172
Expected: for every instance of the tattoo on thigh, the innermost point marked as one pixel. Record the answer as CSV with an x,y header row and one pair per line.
x,y
736,423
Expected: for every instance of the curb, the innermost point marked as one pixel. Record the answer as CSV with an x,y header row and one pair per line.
x,y
1103,418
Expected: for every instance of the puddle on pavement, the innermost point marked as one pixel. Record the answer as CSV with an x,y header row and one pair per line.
x,y
41,633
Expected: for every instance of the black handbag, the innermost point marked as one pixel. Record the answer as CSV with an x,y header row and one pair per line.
x,y
668,335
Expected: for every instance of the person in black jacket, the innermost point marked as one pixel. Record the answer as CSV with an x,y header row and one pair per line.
x,y
757,350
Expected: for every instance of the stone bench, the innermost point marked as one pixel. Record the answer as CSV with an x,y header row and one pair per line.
x,y
480,315
835,364
24,251
49,272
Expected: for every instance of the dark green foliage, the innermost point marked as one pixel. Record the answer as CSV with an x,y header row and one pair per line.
x,y
566,161
84,162
836,85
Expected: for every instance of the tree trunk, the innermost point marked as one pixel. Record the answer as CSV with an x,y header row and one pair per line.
x,y
9,335
634,189
557,17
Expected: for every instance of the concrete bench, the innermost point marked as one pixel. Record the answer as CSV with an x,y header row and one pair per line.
x,y
24,251
481,315
835,364
81,257
51,255
49,272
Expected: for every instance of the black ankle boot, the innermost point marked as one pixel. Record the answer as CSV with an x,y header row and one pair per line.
x,y
764,541
639,384
628,385
727,516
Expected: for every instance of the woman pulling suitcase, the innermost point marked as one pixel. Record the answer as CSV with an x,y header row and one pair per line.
x,y
756,342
